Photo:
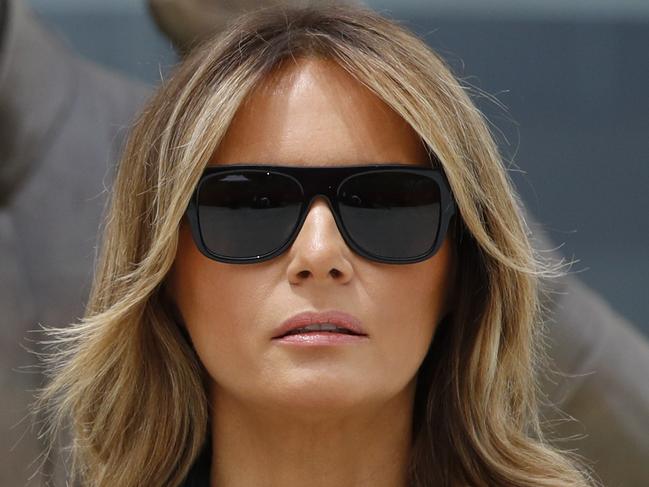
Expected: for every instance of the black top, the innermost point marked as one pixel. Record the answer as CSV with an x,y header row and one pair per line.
x,y
199,475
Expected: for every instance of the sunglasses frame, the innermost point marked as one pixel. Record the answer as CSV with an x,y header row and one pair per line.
x,y
325,181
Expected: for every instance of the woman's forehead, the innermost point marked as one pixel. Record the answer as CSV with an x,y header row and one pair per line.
x,y
314,112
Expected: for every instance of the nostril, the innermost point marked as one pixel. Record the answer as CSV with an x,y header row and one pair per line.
x,y
335,273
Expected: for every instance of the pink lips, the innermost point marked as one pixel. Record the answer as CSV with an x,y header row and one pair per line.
x,y
338,318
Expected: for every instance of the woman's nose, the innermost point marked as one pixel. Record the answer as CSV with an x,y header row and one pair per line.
x,y
319,252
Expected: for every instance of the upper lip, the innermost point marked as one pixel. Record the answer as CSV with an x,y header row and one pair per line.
x,y
335,317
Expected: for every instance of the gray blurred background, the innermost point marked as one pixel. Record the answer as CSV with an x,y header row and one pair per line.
x,y
573,76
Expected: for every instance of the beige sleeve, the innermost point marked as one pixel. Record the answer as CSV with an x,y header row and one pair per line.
x,y
598,387
36,92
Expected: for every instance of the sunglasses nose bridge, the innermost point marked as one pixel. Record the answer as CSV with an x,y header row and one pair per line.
x,y
325,185
320,183
322,186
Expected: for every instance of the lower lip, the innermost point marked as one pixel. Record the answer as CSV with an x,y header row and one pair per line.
x,y
319,339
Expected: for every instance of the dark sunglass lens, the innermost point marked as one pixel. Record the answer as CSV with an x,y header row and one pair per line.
x,y
247,213
391,214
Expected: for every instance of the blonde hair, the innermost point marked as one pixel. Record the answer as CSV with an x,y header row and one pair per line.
x,y
130,383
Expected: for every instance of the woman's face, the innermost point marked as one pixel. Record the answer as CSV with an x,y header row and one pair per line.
x,y
312,114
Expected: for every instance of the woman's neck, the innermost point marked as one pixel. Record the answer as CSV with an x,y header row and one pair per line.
x,y
287,447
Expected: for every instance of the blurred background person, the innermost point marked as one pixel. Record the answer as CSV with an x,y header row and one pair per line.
x,y
573,79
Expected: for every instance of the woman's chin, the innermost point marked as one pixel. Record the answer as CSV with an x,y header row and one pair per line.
x,y
322,398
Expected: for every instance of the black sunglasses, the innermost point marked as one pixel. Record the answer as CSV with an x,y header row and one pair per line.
x,y
391,213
